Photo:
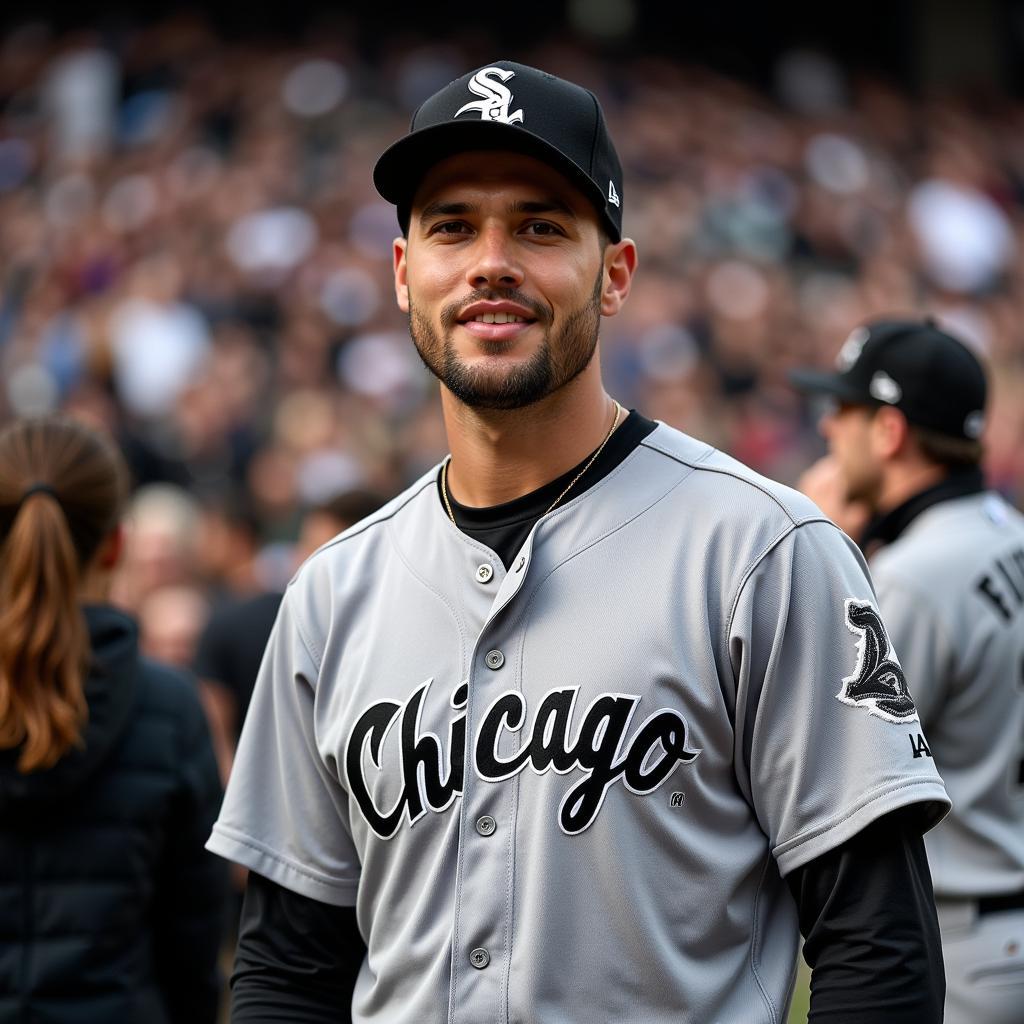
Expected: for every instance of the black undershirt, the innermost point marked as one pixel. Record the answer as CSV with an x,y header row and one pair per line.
x,y
504,528
866,909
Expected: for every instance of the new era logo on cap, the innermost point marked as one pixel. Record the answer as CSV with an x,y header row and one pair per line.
x,y
931,377
508,106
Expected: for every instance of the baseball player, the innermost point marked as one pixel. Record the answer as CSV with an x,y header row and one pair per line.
x,y
590,722
947,558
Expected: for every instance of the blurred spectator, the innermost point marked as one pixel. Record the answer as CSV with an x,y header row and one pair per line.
x,y
211,267
228,545
159,343
160,543
194,258
170,621
81,93
108,783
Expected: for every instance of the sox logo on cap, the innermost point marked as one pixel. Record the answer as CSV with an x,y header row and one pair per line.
x,y
494,96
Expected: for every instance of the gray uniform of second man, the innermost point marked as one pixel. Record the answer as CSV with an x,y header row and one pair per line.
x,y
951,591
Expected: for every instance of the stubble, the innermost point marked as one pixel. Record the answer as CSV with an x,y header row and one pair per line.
x,y
564,353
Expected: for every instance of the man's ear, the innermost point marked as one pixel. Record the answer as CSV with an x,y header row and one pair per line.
x,y
401,285
619,267
890,431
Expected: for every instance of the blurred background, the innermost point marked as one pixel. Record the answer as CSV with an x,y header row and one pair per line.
x,y
193,256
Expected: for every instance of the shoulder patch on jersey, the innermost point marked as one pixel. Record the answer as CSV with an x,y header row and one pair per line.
x,y
877,682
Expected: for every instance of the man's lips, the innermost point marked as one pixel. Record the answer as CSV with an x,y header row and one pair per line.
x,y
497,332
496,321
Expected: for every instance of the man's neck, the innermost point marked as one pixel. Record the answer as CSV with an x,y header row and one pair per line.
x,y
902,484
500,455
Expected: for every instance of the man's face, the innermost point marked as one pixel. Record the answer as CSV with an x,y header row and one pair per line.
x,y
502,278
848,430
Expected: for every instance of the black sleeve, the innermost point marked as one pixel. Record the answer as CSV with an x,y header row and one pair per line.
x,y
297,958
867,914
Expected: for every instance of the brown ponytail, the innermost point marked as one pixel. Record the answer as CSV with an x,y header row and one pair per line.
x,y
62,487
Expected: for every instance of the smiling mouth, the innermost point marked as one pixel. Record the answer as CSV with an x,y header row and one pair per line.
x,y
497,318
497,327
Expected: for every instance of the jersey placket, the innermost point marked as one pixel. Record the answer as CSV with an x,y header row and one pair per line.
x,y
484,904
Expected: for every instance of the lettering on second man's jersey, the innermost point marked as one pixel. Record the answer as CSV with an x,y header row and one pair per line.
x,y
1002,585
877,683
600,749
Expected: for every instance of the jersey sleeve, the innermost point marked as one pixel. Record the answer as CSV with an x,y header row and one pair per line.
x,y
921,641
285,813
828,736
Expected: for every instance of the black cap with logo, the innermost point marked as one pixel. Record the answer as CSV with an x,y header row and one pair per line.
x,y
509,106
934,380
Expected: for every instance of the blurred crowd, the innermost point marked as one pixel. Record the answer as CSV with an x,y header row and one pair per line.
x,y
192,255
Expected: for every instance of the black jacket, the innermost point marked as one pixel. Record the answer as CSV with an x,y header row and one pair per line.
x,y
110,908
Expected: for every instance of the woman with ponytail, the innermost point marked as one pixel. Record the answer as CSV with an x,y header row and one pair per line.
x,y
110,909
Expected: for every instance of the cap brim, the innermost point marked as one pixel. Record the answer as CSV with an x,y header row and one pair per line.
x,y
814,382
402,166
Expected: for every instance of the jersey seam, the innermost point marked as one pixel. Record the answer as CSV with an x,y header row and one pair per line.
x,y
382,517
315,654
724,471
769,547
460,625
756,913
600,484
379,518
591,542
254,844
510,894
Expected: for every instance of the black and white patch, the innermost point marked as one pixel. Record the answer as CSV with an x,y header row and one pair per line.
x,y
877,682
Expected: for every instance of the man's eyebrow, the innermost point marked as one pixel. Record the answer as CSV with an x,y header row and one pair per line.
x,y
451,208
550,205
438,208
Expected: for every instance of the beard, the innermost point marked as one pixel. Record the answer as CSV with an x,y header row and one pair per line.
x,y
863,485
563,354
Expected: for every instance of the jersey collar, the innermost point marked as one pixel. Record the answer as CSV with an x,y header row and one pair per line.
x,y
887,527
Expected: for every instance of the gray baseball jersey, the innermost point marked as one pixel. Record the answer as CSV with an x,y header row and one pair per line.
x,y
569,791
951,590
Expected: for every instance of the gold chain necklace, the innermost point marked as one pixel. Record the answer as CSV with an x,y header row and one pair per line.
x,y
569,487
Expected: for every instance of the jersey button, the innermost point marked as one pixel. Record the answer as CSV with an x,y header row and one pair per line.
x,y
486,825
479,958
484,573
494,660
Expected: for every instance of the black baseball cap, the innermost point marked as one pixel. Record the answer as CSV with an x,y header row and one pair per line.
x,y
509,106
935,380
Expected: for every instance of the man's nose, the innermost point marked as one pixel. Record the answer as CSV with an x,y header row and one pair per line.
x,y
495,262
